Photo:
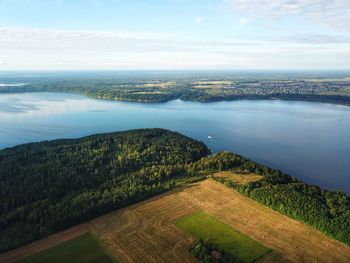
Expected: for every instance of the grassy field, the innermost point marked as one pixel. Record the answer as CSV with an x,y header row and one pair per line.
x,y
235,178
85,248
206,227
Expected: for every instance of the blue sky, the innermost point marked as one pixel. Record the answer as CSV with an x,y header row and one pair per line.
x,y
174,34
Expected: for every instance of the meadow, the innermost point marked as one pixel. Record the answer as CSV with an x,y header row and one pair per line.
x,y
205,227
84,248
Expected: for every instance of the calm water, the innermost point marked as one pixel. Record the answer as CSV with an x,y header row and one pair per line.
x,y
308,140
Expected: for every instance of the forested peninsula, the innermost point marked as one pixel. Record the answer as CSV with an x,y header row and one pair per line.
x,y
49,186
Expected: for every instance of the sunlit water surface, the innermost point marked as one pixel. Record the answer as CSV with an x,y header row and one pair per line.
x,y
307,140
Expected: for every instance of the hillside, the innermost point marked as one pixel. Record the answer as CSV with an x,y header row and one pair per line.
x,y
48,186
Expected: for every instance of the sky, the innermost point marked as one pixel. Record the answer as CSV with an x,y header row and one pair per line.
x,y
174,34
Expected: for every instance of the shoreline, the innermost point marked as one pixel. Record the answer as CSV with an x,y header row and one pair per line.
x,y
223,143
238,98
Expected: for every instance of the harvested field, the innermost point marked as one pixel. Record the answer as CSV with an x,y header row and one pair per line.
x,y
146,231
155,84
214,82
207,87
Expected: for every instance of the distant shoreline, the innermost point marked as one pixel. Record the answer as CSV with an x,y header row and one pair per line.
x,y
327,99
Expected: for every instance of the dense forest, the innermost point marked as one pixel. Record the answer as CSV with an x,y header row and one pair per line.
x,y
48,186
327,211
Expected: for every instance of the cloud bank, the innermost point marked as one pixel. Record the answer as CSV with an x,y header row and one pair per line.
x,y
328,12
24,48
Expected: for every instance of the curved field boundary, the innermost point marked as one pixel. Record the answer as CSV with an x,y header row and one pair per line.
x,y
145,232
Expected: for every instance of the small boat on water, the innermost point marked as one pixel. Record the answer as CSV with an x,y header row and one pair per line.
x,y
209,137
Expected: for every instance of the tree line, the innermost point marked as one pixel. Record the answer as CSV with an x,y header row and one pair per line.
x,y
49,186
327,211
129,89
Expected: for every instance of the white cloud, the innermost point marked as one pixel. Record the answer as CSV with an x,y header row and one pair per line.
x,y
199,19
24,48
41,38
329,12
243,21
319,39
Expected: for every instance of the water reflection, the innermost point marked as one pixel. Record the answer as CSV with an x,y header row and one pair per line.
x,y
307,140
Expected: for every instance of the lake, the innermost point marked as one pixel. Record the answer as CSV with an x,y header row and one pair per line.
x,y
305,139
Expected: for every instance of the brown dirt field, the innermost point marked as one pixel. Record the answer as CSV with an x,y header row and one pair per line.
x,y
158,85
215,82
145,232
50,241
238,179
